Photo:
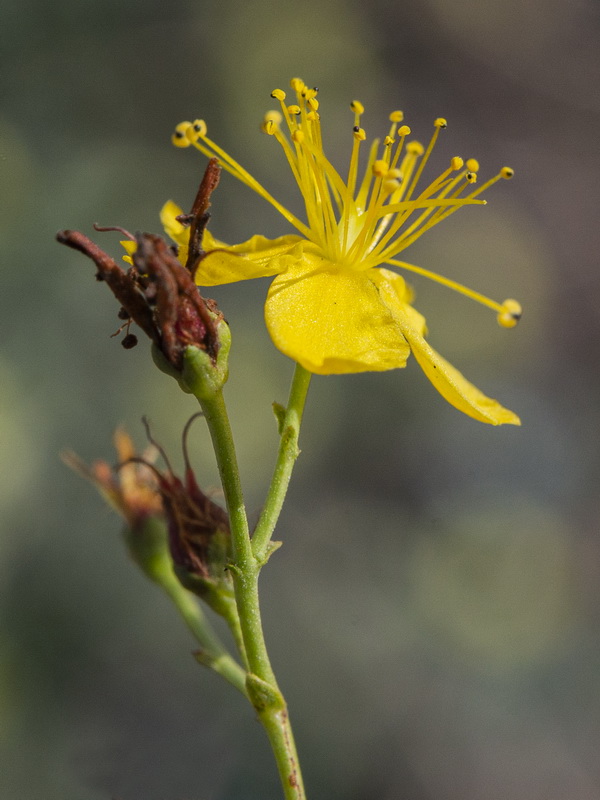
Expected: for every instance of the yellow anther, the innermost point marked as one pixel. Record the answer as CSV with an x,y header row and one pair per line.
x,y
510,314
179,137
440,122
199,127
359,133
312,103
294,110
298,136
507,173
415,148
395,174
404,130
193,132
396,116
313,116
456,163
388,141
273,116
357,107
471,177
268,126
472,165
390,185
310,94
278,94
297,84
380,168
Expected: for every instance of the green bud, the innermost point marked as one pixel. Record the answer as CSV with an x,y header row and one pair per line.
x,y
148,545
202,376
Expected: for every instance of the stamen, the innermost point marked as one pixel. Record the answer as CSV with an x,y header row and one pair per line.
x,y
510,314
179,137
438,125
368,227
297,85
501,308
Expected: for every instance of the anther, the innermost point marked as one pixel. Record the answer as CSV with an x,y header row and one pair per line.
x,y
388,141
510,314
456,163
297,84
396,116
357,107
278,94
380,168
472,165
471,177
404,130
274,117
298,136
313,116
179,137
440,122
312,103
196,130
294,110
415,148
359,133
390,186
507,173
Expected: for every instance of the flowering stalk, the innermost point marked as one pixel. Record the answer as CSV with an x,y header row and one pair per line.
x,y
261,684
333,307
289,420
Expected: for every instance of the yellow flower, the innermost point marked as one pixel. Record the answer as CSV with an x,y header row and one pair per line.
x,y
332,307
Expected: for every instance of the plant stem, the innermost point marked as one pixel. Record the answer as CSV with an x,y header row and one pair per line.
x,y
261,685
289,429
213,653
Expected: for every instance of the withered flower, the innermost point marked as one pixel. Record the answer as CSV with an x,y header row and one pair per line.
x,y
131,489
198,529
158,292
171,524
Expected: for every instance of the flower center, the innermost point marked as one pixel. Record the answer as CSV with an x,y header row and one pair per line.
x,y
361,222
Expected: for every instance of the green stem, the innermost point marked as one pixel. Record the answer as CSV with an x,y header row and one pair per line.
x,y
289,429
260,682
213,653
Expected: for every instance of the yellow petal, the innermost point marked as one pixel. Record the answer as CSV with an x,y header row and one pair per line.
x,y
332,321
259,257
447,379
178,232
130,247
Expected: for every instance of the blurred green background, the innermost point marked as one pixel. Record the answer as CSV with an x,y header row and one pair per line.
x,y
433,614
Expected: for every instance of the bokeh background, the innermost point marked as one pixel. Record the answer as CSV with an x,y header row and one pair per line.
x,y
433,614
